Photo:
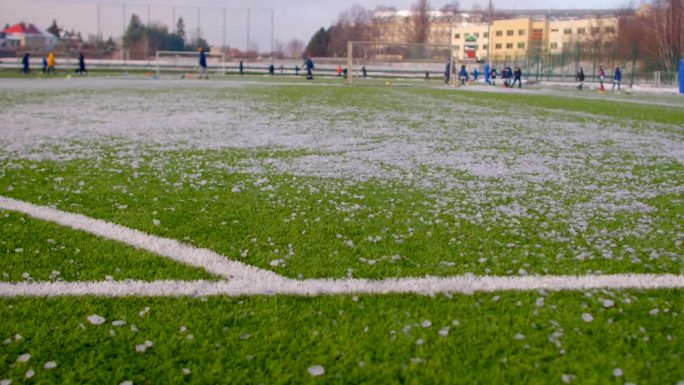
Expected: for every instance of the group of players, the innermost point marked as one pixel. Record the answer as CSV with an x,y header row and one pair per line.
x,y
510,77
617,78
49,64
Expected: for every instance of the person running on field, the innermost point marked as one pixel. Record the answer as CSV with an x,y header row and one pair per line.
x,y
26,64
492,76
51,64
81,65
463,75
44,64
517,77
476,74
339,71
309,64
242,67
580,79
508,76
203,64
364,71
602,78
617,78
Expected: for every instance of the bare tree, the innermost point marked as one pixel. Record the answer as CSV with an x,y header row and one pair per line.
x,y
354,24
420,17
294,48
655,34
451,8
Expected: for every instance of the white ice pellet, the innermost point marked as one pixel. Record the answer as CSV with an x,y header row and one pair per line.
x,y
96,319
316,370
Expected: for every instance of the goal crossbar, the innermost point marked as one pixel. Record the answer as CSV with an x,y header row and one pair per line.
x,y
160,54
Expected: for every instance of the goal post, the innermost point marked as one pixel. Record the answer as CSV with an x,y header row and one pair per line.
x,y
179,61
366,59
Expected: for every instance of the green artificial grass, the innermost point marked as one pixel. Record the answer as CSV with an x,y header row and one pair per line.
x,y
38,251
497,338
603,206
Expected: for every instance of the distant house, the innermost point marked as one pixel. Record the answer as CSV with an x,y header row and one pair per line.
x,y
31,37
9,42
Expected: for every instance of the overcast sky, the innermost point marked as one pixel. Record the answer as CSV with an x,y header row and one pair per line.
x,y
292,18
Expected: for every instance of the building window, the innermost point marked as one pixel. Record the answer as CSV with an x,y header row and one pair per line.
x,y
554,45
498,46
554,30
595,30
581,31
509,45
521,45
457,36
457,47
521,32
477,34
499,33
610,29
510,32
567,31
485,46
486,35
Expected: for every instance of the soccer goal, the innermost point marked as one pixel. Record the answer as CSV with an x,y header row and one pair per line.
x,y
372,60
188,61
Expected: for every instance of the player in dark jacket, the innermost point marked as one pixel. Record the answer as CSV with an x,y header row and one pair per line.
x,y
309,64
242,67
580,79
492,76
26,64
81,65
463,75
617,78
517,77
203,64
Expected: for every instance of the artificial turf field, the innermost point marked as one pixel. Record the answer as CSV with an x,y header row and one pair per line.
x,y
319,180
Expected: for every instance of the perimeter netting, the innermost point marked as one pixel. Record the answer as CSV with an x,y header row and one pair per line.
x,y
369,60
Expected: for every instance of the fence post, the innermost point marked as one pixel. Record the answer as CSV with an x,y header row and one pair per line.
x,y
563,65
634,59
593,72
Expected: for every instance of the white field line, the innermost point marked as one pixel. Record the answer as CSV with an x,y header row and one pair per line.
x,y
310,288
169,248
249,280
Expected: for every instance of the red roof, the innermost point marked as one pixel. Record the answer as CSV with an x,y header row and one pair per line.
x,y
22,28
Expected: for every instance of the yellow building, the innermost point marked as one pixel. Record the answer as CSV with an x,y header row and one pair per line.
x,y
565,34
471,41
512,39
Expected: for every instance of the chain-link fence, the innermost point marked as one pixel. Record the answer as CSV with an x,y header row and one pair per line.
x,y
636,66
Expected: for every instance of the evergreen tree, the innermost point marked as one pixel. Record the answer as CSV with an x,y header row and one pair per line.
x,y
54,29
180,28
318,45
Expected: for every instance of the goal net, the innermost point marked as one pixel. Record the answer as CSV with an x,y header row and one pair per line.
x,y
371,60
188,62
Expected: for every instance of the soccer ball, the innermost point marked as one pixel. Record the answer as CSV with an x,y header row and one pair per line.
x,y
388,83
